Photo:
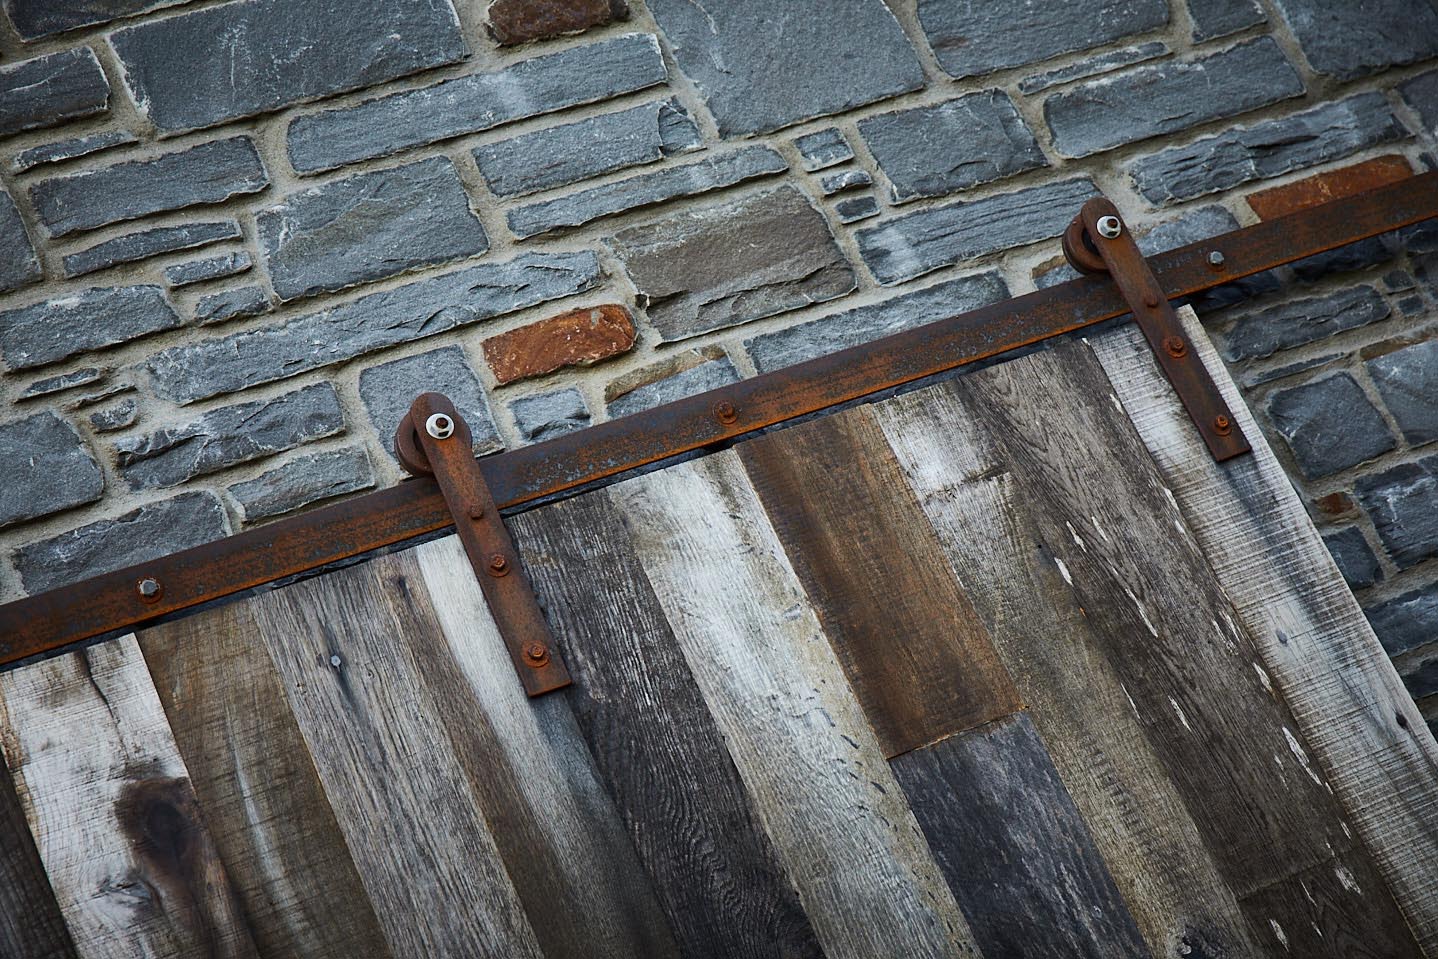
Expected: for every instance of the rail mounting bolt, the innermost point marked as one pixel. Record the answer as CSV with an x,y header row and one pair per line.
x,y
1109,227
440,426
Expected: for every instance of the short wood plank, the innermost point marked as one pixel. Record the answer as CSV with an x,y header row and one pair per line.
x,y
1014,847
109,802
918,656
654,742
1365,735
811,762
263,801
341,643
30,920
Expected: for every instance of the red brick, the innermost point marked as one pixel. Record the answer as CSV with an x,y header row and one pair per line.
x,y
577,338
1333,185
520,21
1336,506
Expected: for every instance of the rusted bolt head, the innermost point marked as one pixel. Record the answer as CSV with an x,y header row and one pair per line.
x,y
1215,259
440,426
476,512
1150,299
725,412
1109,227
149,589
1175,346
498,565
1222,425
536,654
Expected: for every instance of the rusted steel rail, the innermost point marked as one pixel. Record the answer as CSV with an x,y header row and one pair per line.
x,y
115,601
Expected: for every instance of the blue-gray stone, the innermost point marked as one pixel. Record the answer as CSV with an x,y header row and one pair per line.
x,y
70,149
1345,259
19,265
908,246
1348,39
44,467
1330,425
1297,322
1259,377
1093,66
760,65
209,173
41,18
386,125
823,148
1403,504
231,305
239,59
1407,379
367,227
1354,557
69,325
389,389
1168,97
303,481
709,375
1408,621
209,268
1421,93
1219,18
423,308
143,244
49,90
1421,678
856,208
64,381
831,183
117,417
547,415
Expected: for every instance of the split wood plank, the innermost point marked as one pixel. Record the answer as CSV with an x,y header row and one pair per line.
x,y
810,760
30,922
654,742
1363,730
109,802
918,656
263,801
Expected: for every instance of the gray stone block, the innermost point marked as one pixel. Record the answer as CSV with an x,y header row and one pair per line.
x,y
228,436
1344,259
19,265
1297,322
42,18
856,208
1168,97
1219,18
698,379
1403,504
1408,621
64,381
1093,66
49,90
144,244
547,415
530,88
303,481
44,467
1421,93
1267,149
831,183
70,149
760,66
1421,678
208,173
864,324
1354,557
367,227
210,268
315,340
645,189
1329,425
231,305
1345,39
730,263
909,246
389,389
1407,379
951,146
976,38
824,148
76,323
153,530
117,417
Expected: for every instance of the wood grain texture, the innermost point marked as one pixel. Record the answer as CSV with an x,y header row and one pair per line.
x,y
109,802
654,742
810,761
30,920
918,656
251,772
1366,737
1014,847
343,645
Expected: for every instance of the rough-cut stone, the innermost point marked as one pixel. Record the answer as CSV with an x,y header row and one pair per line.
x,y
580,337
209,268
1297,322
117,417
49,90
1354,557
229,435
18,264
1093,66
1421,93
1347,40
41,18
1344,259
697,379
951,146
856,208
831,183
99,395
645,189
144,244
547,415
760,66
1406,622
314,340
380,127
152,531
572,152
975,38
1330,185
64,381
240,59
1167,97
208,173
1195,225
823,148
1407,379
1259,377
1267,149
864,324
44,467
1219,18
909,246
367,227
390,388
1421,678
1403,504
67,326
302,481
520,21
1330,425
231,305
71,149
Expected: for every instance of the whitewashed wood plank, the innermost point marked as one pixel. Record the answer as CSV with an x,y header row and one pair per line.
x,y
812,763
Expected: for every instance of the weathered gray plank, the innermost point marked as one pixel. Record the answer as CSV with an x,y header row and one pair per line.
x,y
30,920
1364,732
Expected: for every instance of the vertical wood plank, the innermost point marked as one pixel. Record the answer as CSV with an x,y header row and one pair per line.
x,y
109,802
1364,732
250,770
30,920
654,742
809,759
917,655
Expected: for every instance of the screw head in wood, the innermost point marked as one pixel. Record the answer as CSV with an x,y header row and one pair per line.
x,y
1222,425
498,565
440,426
536,654
149,589
1109,227
1175,346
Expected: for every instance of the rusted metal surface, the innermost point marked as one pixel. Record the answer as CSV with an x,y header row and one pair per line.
x,y
433,439
110,602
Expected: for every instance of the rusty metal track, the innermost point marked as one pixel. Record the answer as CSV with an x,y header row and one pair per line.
x,y
113,601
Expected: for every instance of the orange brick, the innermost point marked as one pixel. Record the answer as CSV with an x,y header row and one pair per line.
x,y
1335,184
576,338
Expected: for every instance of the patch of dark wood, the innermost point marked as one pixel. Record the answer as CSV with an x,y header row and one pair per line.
x,y
30,920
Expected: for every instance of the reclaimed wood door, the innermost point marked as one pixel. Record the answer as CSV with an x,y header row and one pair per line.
x,y
1002,667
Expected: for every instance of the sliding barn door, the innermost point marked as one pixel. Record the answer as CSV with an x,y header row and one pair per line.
x,y
1004,667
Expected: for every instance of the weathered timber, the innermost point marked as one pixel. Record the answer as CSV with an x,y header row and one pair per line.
x,y
30,920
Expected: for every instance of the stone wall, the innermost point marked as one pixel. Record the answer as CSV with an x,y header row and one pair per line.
x,y
237,237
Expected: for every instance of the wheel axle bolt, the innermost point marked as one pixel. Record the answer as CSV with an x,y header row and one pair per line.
x,y
1109,227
